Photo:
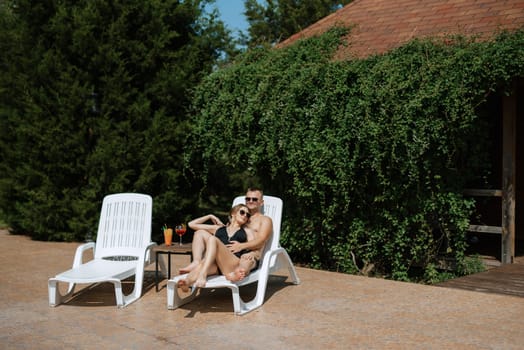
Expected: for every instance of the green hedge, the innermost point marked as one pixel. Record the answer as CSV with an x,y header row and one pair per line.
x,y
369,155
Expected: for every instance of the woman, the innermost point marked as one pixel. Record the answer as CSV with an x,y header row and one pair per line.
x,y
234,231
218,258
203,230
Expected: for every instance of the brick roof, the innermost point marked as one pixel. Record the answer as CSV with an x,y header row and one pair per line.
x,y
381,25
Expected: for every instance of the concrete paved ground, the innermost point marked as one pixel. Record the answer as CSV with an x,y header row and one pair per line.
x,y
327,311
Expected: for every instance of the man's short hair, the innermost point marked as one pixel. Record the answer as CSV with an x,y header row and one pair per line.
x,y
255,189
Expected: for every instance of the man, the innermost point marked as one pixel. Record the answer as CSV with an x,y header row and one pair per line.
x,y
259,227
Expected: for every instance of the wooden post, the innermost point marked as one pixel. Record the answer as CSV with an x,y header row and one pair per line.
x,y
509,141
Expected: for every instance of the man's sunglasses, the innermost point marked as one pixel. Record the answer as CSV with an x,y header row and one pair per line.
x,y
243,212
251,199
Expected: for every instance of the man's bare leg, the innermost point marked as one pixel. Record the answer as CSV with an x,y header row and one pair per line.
x,y
198,249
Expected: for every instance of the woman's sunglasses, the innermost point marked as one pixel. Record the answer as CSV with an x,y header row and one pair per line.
x,y
243,212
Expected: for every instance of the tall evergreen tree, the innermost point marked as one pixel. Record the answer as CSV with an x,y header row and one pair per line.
x,y
93,100
277,20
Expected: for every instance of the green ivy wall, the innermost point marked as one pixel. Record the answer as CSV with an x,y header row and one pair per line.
x,y
370,156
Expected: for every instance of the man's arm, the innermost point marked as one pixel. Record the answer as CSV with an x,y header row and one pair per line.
x,y
265,230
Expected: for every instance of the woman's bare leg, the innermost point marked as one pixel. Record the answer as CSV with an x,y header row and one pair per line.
x,y
198,249
190,279
217,254
233,268
195,276
246,264
209,259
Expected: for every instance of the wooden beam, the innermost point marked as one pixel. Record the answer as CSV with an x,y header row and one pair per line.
x,y
482,193
509,141
485,229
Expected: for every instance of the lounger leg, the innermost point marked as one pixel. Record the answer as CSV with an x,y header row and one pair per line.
x,y
124,300
119,295
291,268
162,265
238,303
55,298
137,289
54,295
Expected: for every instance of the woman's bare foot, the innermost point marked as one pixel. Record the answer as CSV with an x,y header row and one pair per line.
x,y
189,267
237,275
201,282
191,278
182,284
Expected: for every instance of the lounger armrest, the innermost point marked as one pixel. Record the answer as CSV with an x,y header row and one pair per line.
x,y
79,254
149,258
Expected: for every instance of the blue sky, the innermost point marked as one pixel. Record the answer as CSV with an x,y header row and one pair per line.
x,y
231,12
